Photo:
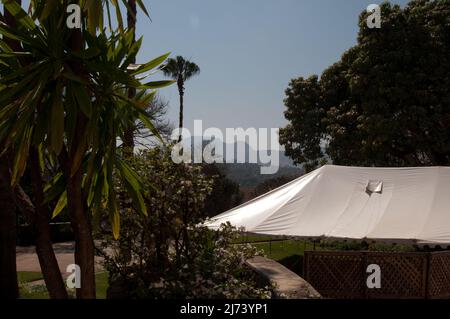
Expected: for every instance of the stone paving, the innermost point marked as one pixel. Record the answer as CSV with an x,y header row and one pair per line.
x,y
288,284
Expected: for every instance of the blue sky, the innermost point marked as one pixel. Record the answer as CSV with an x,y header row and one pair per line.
x,y
247,50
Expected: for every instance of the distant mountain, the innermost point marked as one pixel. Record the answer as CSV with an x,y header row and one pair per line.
x,y
196,142
248,175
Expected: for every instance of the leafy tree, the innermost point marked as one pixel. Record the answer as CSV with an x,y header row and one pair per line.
x,y
156,110
172,255
66,105
386,102
272,184
302,136
225,194
181,70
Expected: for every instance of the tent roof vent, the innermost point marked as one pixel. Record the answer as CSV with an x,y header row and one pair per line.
x,y
374,186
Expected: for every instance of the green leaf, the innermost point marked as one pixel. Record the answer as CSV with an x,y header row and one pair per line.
x,y
132,52
95,18
41,157
88,54
47,9
7,65
138,105
149,125
57,121
118,14
14,54
143,8
5,47
70,76
19,14
146,98
62,203
152,64
8,32
157,84
55,187
16,89
114,215
83,98
78,157
21,157
133,185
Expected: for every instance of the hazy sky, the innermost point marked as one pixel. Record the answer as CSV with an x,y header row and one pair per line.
x,y
247,50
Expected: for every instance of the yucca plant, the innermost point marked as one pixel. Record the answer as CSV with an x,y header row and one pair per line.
x,y
63,98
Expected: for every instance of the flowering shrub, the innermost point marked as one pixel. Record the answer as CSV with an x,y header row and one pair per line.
x,y
168,254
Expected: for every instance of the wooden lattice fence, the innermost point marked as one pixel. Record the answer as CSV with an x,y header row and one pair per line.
x,y
439,275
403,275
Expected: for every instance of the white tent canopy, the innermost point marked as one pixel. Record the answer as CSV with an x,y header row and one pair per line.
x,y
390,204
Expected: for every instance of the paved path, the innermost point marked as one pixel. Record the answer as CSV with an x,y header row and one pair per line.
x,y
27,260
288,284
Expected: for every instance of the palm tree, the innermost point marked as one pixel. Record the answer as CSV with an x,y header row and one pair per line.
x,y
181,70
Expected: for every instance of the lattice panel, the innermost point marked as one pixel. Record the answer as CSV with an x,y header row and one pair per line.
x,y
403,275
439,275
335,275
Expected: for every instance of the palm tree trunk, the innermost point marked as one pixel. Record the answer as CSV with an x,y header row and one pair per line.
x,y
180,83
128,141
44,249
80,219
8,276
84,242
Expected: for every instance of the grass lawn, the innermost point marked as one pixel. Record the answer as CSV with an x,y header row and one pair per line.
x,y
287,252
29,291
251,238
279,250
27,276
101,284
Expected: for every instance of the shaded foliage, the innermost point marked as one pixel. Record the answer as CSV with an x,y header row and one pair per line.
x,y
168,254
225,193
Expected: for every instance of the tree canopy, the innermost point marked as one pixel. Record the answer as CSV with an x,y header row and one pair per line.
x,y
386,102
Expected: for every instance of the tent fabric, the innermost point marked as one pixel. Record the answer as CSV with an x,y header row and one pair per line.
x,y
404,204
